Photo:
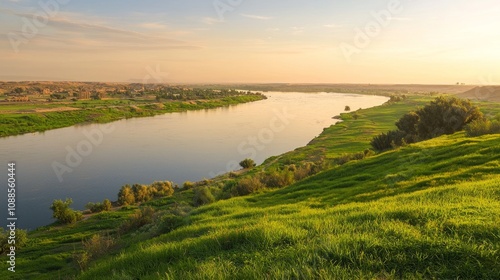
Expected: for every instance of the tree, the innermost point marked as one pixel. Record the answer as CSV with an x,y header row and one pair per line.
x,y
141,193
106,205
162,188
63,213
446,115
247,163
126,196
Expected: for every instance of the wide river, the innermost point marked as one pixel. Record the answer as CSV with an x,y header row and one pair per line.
x,y
89,163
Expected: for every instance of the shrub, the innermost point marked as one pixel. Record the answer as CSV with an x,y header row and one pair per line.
x,y
63,213
445,115
107,205
142,193
168,223
304,171
97,245
275,179
482,127
247,163
203,196
388,140
94,207
21,240
247,186
188,185
162,189
93,248
347,108
140,218
409,123
126,196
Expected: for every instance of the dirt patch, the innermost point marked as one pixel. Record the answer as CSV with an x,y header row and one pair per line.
x,y
58,109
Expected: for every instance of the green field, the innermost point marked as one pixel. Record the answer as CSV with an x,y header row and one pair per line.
x,y
27,121
429,210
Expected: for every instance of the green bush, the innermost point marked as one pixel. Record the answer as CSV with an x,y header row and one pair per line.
x,y
202,196
278,179
107,205
444,115
188,185
126,196
63,213
20,241
142,193
247,163
140,218
482,127
388,140
94,247
168,223
247,186
99,207
162,189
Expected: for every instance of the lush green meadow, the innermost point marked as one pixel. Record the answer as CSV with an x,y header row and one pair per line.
x,y
429,210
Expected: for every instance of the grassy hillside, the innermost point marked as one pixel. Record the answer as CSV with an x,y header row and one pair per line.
x,y
431,210
428,210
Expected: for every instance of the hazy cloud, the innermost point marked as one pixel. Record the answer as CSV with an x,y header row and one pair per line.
x,y
256,17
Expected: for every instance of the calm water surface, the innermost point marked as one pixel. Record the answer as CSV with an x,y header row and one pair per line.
x,y
175,147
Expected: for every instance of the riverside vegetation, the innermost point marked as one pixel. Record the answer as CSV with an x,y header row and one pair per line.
x,y
20,118
331,209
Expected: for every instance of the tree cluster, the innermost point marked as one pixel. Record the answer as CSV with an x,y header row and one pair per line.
x,y
63,213
175,93
444,115
129,195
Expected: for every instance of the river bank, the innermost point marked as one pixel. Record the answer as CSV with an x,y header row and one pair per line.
x,y
101,112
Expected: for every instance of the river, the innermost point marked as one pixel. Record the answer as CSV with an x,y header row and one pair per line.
x,y
89,163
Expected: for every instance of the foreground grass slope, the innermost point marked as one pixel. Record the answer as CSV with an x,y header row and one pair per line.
x,y
430,210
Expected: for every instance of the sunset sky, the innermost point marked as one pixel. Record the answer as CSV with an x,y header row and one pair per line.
x,y
217,41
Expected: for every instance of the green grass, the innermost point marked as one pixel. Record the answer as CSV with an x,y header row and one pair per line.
x,y
99,112
430,210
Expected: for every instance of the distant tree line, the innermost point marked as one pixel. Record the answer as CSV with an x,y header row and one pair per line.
x,y
175,93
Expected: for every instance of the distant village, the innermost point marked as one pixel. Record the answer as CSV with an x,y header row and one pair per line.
x,y
73,91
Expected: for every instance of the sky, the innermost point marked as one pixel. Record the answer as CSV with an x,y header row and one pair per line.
x,y
251,41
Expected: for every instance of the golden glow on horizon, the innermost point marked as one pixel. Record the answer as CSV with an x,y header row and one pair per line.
x,y
416,46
